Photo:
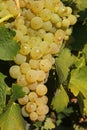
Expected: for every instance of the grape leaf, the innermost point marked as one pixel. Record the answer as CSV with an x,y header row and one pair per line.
x,y
83,4
11,119
17,92
85,51
60,100
8,47
2,92
63,62
78,81
48,125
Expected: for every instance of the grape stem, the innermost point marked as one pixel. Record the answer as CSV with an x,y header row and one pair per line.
x,y
18,5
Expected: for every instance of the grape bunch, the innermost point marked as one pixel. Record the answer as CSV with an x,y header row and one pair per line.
x,y
41,29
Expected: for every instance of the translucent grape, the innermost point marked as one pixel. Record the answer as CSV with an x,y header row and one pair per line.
x,y
72,19
31,76
36,53
36,23
45,14
47,26
41,75
34,64
41,89
45,65
24,113
14,71
33,116
21,80
24,49
30,107
42,109
19,59
32,96
23,100
24,67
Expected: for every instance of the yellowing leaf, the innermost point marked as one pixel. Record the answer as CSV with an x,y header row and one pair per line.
x,y
63,62
48,125
78,81
11,119
60,100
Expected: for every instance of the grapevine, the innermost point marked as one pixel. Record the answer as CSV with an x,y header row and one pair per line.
x,y
42,29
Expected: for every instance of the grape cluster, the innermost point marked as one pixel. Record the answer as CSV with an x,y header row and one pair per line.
x,y
41,29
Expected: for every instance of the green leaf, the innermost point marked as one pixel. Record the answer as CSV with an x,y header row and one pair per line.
x,y
60,100
8,47
83,4
17,92
2,92
63,62
48,125
78,81
85,51
11,119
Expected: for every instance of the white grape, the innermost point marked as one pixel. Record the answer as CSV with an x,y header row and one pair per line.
x,y
36,23
19,59
14,71
33,116
45,65
42,109
32,96
30,107
23,100
41,89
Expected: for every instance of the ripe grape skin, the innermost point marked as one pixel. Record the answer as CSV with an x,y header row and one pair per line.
x,y
33,116
23,100
30,107
19,59
32,96
41,89
36,23
45,65
31,76
14,71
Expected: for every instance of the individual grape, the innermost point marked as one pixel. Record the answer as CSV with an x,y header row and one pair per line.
x,y
23,29
42,109
31,76
41,33
47,26
65,23
19,59
45,47
44,99
59,36
41,75
50,58
45,65
24,67
36,23
24,113
25,49
62,11
32,96
14,71
34,64
58,24
21,80
28,14
41,100
36,53
66,38
36,6
72,18
23,100
55,18
41,89
45,14
41,117
49,37
54,48
26,90
32,86
69,10
68,31
33,116
30,107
